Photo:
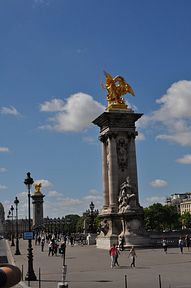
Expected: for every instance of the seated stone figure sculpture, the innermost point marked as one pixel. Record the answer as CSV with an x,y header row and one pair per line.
x,y
127,199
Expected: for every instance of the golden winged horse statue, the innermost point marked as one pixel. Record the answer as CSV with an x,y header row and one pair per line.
x,y
116,87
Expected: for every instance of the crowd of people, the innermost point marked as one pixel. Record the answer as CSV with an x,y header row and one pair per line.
x,y
56,242
182,242
10,275
114,251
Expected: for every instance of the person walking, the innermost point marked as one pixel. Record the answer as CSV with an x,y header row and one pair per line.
x,y
132,254
50,248
165,245
117,256
42,244
181,245
121,242
113,253
187,241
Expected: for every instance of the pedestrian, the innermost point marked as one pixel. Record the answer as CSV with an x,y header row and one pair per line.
x,y
72,240
62,248
187,241
50,248
39,239
132,254
42,244
121,242
165,245
55,248
181,245
117,256
113,253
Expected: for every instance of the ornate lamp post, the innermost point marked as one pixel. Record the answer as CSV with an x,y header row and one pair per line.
x,y
12,227
17,251
92,217
30,276
9,229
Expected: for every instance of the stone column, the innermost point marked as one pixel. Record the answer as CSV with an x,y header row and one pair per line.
x,y
133,164
105,173
112,173
37,198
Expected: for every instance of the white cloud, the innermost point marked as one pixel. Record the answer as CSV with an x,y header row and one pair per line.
x,y
55,105
57,204
44,183
61,205
140,137
54,194
186,159
89,140
4,149
154,199
158,183
3,187
174,114
9,111
76,114
2,169
41,3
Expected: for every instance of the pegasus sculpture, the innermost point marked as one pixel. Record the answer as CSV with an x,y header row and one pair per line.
x,y
116,87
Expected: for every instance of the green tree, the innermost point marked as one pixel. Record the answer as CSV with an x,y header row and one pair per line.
x,y
185,219
71,223
80,225
161,217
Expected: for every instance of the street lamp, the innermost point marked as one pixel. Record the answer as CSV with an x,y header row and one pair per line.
x,y
92,207
17,251
30,276
12,229
9,229
92,217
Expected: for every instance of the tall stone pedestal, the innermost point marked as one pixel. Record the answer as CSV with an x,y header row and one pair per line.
x,y
122,214
37,202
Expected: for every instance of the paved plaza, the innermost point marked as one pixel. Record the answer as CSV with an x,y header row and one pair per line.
x,y
89,267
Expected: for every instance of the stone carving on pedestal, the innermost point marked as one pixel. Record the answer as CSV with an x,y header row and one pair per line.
x,y
122,153
127,199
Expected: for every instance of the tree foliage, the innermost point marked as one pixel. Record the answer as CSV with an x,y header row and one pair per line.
x,y
185,219
161,217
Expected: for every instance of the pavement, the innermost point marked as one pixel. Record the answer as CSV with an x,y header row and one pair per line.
x,y
89,267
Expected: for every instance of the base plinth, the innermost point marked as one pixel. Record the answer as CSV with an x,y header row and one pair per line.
x,y
127,225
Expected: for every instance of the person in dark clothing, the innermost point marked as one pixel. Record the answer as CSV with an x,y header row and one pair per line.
x,y
187,241
165,245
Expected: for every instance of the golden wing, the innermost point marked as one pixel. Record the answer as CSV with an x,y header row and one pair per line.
x,y
129,89
122,86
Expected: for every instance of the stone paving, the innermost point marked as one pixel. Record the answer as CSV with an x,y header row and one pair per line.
x,y
89,267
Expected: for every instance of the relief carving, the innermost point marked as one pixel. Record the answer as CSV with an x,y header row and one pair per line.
x,y
122,153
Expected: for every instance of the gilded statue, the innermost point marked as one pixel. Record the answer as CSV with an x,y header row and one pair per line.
x,y
116,87
37,188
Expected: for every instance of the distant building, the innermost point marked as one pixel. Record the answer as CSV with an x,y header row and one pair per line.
x,y
177,199
185,206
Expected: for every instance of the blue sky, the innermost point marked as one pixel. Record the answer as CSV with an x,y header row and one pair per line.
x,y
52,57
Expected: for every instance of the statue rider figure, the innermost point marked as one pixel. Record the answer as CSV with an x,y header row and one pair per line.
x,y
127,199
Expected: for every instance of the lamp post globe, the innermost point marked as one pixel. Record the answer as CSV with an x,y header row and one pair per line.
x,y
17,251
30,276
